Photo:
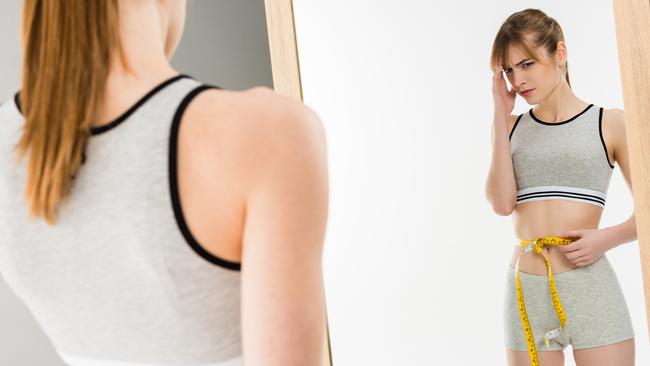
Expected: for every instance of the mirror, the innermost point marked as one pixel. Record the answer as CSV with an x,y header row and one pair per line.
x,y
416,259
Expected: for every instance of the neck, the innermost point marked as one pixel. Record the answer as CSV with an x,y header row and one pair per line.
x,y
142,34
560,105
146,60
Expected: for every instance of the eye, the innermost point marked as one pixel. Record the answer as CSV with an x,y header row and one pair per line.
x,y
526,65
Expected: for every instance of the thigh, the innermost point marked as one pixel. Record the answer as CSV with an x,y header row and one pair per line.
x,y
620,354
546,358
597,313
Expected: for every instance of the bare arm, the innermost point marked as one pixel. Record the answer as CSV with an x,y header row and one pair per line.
x,y
501,187
593,243
614,125
286,212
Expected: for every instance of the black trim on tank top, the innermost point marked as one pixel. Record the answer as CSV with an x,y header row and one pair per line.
x,y
17,101
602,140
532,115
514,126
173,184
584,196
560,195
96,130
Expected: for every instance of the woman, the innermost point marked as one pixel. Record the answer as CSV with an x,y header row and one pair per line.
x,y
551,168
136,194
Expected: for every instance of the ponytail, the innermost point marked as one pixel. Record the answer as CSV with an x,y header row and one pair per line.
x,y
67,48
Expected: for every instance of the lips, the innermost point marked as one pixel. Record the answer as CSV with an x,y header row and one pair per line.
x,y
526,92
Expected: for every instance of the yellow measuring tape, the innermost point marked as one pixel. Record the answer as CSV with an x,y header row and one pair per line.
x,y
536,246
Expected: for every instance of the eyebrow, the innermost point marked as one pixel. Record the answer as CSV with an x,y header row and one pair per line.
x,y
521,62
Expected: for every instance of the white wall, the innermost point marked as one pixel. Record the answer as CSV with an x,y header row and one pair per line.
x,y
415,258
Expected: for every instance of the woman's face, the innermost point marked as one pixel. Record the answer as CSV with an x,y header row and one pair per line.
x,y
175,11
535,80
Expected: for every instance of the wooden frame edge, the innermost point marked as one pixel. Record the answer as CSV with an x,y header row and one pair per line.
x,y
283,47
633,38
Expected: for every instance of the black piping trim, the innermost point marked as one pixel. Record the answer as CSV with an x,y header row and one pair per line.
x,y
514,126
17,101
600,132
108,126
96,130
173,184
558,123
599,200
574,193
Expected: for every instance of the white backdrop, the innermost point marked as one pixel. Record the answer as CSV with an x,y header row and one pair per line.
x,y
415,258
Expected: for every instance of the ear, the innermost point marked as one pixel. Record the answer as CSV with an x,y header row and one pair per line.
x,y
561,53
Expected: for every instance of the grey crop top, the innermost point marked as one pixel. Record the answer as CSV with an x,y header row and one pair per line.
x,y
565,160
120,280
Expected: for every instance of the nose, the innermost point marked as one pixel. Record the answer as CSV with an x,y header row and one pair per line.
x,y
517,79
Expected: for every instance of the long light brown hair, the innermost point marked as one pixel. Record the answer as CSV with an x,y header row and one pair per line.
x,y
523,29
67,48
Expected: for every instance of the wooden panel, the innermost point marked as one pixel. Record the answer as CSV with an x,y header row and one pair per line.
x,y
633,35
283,49
286,78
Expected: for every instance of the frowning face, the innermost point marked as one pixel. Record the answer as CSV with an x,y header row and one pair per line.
x,y
534,80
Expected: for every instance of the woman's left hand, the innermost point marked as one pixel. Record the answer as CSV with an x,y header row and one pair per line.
x,y
589,246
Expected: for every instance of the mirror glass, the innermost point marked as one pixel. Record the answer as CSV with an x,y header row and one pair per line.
x,y
416,259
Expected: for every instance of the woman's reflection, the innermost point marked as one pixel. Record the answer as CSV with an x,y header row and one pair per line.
x,y
551,168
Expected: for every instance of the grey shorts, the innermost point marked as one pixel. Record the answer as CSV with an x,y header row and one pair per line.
x,y
592,299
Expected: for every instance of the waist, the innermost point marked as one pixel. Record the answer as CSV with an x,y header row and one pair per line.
x,y
552,217
534,264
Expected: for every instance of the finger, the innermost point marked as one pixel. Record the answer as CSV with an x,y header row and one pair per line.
x,y
570,234
577,259
571,256
574,256
568,248
583,263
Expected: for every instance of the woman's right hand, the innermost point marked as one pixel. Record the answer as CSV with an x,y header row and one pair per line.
x,y
504,99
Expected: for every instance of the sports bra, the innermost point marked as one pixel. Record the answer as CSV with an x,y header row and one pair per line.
x,y
120,280
565,160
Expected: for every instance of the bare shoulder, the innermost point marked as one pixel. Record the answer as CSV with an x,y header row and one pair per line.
x,y
613,123
257,111
253,126
615,115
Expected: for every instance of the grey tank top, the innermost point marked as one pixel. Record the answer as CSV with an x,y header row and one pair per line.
x,y
565,160
119,280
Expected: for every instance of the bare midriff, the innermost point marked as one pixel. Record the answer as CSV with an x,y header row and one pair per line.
x,y
550,218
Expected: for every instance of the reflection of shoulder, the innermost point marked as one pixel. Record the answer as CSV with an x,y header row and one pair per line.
x,y
613,124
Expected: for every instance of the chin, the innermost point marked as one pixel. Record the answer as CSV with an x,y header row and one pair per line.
x,y
530,101
535,98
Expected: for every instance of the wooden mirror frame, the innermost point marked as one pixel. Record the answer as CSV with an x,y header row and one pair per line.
x,y
632,19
